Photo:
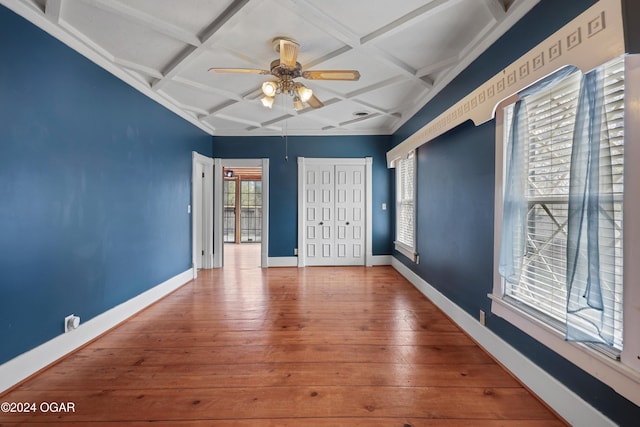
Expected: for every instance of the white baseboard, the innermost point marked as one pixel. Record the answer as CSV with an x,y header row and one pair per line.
x,y
565,402
381,259
27,364
283,261
292,261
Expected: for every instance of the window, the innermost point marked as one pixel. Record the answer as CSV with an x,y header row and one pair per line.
x,y
538,260
229,215
551,119
405,208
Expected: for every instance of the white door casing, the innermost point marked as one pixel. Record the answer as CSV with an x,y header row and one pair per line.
x,y
198,183
334,212
201,212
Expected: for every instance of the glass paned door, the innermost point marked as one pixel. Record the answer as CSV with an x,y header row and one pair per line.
x,y
250,211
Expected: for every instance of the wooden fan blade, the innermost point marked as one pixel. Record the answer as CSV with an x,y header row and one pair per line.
x,y
331,75
314,102
288,53
238,70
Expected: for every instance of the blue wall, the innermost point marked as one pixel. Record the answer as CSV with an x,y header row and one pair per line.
x,y
455,205
94,187
283,180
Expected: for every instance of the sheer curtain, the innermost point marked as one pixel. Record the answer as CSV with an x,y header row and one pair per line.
x,y
591,240
513,246
514,213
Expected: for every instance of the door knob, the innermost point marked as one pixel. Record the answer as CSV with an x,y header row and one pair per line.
x,y
347,222
321,223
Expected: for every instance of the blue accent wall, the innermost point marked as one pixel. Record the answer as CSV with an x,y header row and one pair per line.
x,y
283,180
95,179
455,205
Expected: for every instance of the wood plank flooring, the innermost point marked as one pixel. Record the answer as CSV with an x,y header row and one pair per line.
x,y
246,347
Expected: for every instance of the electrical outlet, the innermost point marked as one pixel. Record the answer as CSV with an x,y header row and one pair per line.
x,y
71,322
483,318
295,251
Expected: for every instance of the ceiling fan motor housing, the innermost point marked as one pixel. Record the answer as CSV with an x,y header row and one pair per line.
x,y
280,70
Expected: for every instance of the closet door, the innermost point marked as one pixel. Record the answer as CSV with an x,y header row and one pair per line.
x,y
349,215
320,213
334,223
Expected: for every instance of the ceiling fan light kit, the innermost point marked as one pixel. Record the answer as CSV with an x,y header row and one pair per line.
x,y
286,69
270,88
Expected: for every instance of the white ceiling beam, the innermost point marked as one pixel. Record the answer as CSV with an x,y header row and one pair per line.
x,y
237,120
438,66
311,13
137,67
259,64
211,112
170,69
53,10
327,57
496,8
230,14
400,65
388,82
196,110
210,89
359,119
368,106
276,120
429,81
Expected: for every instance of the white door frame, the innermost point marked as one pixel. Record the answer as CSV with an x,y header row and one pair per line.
x,y
202,201
302,209
218,179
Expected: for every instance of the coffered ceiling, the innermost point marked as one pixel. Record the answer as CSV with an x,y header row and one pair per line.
x,y
405,50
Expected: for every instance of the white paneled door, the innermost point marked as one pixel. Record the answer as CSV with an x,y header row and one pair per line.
x,y
334,214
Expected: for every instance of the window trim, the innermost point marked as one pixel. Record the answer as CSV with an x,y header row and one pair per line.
x,y
622,375
406,250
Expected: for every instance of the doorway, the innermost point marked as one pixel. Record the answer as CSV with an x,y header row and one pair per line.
x,y
241,206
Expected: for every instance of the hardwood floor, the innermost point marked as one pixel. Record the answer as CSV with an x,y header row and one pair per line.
x,y
245,347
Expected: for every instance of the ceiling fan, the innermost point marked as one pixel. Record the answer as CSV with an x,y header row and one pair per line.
x,y
286,69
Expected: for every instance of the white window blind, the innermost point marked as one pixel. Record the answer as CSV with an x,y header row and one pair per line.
x,y
405,228
551,119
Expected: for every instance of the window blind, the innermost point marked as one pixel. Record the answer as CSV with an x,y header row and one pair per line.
x,y
405,201
551,119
